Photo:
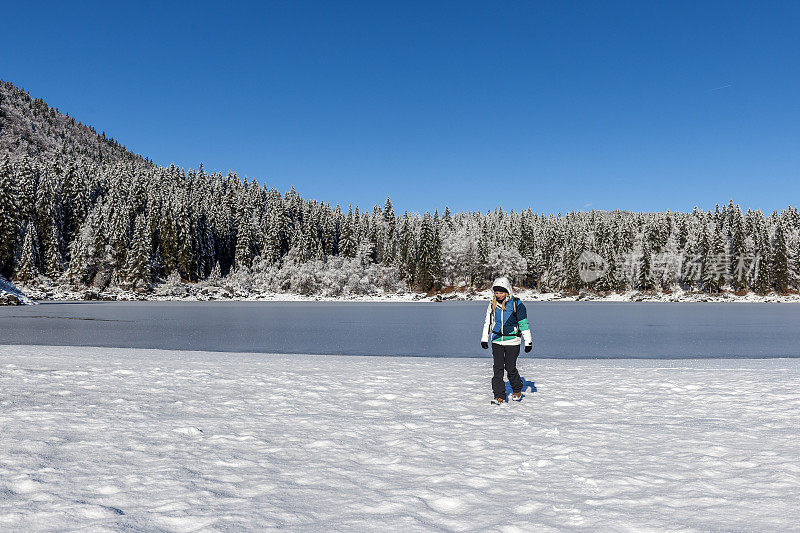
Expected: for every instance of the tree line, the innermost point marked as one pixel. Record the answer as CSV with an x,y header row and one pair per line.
x,y
131,223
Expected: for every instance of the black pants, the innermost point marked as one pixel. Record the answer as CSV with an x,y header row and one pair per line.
x,y
505,358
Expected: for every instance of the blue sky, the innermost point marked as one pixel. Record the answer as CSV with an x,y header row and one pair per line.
x,y
553,105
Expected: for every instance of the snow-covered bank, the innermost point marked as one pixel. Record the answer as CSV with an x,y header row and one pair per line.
x,y
183,441
11,295
45,289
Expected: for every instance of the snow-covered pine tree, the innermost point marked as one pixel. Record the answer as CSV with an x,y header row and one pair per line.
x,y
186,233
271,251
447,217
646,281
720,255
308,244
27,182
738,250
389,253
244,240
84,260
527,248
9,217
796,260
53,257
437,249
761,282
406,263
119,232
780,260
327,230
28,270
428,256
479,269
348,244
138,273
707,269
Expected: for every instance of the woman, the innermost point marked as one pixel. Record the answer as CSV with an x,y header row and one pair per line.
x,y
506,321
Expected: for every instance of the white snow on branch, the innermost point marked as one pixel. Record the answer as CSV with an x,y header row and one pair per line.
x,y
11,295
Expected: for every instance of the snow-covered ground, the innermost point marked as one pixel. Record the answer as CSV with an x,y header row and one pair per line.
x,y
11,295
118,439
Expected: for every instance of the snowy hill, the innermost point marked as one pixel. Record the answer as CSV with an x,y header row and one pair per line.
x,y
31,128
10,295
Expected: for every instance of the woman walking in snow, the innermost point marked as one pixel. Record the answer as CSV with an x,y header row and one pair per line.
x,y
506,321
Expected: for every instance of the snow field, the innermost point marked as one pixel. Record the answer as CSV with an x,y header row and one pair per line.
x,y
115,439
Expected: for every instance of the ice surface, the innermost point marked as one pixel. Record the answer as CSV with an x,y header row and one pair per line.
x,y
451,329
116,439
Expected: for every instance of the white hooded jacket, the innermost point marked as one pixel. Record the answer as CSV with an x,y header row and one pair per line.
x,y
504,314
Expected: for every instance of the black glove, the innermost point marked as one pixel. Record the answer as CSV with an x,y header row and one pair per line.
x,y
528,348
484,345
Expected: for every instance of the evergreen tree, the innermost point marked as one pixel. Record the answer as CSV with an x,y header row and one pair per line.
x,y
447,217
271,252
428,256
27,181
137,266
84,260
244,241
389,253
527,249
720,258
406,251
327,231
761,283
480,268
53,258
349,244
8,218
645,280
738,251
780,261
27,265
186,232
709,270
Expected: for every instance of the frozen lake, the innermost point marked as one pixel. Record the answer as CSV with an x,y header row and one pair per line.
x,y
451,329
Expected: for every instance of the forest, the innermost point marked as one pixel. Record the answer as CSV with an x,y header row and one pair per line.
x,y
79,209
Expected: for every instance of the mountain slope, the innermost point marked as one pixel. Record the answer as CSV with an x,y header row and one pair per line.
x,y
29,127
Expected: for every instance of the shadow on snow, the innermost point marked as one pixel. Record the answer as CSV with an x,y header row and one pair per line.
x,y
526,385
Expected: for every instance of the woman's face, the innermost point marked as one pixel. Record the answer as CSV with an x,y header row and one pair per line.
x,y
500,295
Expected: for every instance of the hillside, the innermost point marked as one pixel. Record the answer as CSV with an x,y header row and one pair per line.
x,y
31,128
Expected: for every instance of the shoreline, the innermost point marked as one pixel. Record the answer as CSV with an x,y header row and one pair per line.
x,y
188,292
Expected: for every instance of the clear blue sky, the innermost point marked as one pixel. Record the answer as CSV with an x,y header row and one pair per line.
x,y
553,105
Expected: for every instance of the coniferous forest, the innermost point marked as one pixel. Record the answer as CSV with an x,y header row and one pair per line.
x,y
78,209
